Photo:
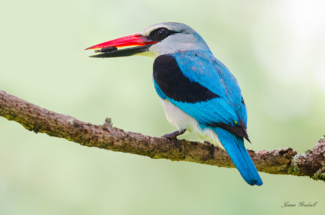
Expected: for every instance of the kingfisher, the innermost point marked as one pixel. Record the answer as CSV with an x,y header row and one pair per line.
x,y
197,91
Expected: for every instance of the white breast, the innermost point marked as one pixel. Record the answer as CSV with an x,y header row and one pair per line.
x,y
181,120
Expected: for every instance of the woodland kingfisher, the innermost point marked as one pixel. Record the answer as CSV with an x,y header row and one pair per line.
x,y
197,91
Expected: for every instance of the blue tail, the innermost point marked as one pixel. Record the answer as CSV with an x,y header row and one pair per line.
x,y
235,148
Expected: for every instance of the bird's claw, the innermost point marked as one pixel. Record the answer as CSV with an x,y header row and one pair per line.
x,y
212,148
173,137
175,141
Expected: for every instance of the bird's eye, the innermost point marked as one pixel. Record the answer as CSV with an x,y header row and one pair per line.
x,y
161,33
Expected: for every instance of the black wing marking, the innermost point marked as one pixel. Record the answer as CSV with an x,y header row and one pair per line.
x,y
175,85
238,130
178,87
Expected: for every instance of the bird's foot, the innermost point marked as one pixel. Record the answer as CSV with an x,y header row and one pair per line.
x,y
173,136
212,148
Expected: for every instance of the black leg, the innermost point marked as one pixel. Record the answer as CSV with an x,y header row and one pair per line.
x,y
173,136
212,148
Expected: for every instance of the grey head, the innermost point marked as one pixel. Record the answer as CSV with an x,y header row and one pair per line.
x,y
181,38
159,39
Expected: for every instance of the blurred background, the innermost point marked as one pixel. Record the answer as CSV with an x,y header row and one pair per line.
x,y
276,50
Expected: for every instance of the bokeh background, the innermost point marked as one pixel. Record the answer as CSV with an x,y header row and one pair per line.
x,y
276,50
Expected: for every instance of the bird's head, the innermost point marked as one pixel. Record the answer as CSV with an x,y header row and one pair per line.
x,y
158,39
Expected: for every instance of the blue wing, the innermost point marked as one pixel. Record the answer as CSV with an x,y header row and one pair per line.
x,y
201,86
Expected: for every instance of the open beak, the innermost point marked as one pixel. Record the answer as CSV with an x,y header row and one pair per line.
x,y
138,42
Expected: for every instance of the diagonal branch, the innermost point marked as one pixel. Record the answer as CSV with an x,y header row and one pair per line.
x,y
284,161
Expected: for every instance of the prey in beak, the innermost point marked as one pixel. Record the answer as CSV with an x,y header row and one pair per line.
x,y
137,42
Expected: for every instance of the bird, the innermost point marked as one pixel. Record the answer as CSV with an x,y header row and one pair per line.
x,y
197,91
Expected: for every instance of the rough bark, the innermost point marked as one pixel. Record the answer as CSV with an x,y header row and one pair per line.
x,y
39,120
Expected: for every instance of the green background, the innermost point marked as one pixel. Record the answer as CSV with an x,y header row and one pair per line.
x,y
274,48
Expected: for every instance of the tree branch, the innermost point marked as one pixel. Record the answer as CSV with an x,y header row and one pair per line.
x,y
284,161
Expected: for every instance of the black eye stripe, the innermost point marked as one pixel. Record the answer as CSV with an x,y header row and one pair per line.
x,y
160,34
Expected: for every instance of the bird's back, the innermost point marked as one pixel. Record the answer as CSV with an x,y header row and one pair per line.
x,y
202,87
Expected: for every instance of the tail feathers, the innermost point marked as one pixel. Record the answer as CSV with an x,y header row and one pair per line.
x,y
236,150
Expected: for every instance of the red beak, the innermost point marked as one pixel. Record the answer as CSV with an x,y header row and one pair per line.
x,y
109,48
130,40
